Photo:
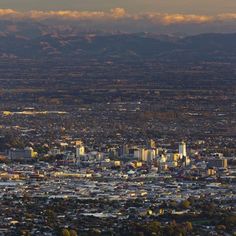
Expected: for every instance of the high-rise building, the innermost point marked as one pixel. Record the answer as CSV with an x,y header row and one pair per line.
x,y
125,150
151,155
22,154
182,150
173,157
152,144
80,149
218,163
143,155
186,161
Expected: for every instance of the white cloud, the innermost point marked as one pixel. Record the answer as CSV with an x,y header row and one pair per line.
x,y
116,14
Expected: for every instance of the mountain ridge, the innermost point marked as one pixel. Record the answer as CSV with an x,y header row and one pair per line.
x,y
37,41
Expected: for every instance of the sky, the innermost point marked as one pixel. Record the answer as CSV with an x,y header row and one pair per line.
x,y
143,15
133,6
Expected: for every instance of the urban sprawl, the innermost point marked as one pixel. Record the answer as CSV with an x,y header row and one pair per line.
x,y
121,190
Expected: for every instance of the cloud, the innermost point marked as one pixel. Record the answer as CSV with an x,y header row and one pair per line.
x,y
8,13
117,14
168,19
73,15
227,16
178,19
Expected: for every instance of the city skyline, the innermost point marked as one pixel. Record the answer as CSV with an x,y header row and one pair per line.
x,y
118,117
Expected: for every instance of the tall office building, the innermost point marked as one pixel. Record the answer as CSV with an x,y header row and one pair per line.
x,y
140,154
80,149
151,155
145,155
152,144
182,150
125,150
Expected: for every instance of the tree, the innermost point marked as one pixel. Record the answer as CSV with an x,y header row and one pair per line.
x,y
221,227
189,226
65,232
51,216
73,232
185,204
230,220
173,204
154,227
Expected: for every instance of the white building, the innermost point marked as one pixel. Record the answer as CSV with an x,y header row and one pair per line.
x,y
182,150
80,149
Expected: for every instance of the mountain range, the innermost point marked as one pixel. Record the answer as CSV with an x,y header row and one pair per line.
x,y
33,40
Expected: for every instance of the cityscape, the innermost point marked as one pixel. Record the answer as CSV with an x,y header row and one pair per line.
x,y
111,188
118,120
